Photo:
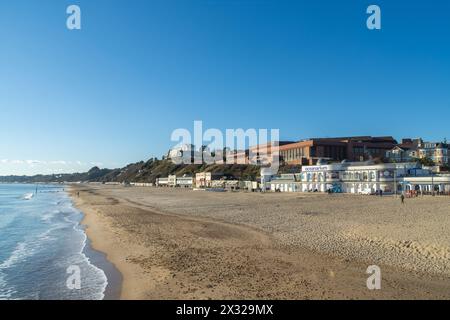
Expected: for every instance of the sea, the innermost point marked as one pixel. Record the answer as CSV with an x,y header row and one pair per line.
x,y
44,251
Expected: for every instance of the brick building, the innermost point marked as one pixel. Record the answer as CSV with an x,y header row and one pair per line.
x,y
308,152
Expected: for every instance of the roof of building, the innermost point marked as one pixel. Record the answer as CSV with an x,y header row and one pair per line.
x,y
381,142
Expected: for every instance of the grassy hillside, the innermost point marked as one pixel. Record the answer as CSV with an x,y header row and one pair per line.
x,y
151,170
144,172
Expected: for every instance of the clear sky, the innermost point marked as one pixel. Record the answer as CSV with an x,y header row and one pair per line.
x,y
113,92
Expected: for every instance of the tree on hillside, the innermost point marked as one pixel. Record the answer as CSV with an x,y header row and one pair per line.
x,y
426,162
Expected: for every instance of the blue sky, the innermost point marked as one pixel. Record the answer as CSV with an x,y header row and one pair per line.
x,y
113,92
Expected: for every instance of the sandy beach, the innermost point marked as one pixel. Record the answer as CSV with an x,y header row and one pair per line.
x,y
183,244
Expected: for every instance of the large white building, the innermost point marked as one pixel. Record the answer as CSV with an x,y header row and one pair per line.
x,y
185,182
426,184
162,182
361,177
174,181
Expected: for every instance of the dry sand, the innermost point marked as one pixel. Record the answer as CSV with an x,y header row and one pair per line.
x,y
183,244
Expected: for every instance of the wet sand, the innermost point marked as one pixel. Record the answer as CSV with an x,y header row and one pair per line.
x,y
183,244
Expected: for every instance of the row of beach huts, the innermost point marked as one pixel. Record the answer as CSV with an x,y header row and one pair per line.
x,y
202,181
207,180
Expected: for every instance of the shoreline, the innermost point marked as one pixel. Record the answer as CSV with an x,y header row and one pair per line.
x,y
113,275
102,241
99,258
166,248
44,240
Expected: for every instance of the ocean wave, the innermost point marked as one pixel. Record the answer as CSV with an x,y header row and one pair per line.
x,y
57,215
50,215
73,216
26,249
19,253
22,251
28,196
80,228
6,293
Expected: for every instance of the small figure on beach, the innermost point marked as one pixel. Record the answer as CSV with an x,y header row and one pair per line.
x,y
78,194
402,197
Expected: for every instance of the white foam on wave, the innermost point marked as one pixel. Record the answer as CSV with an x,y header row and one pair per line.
x,y
22,251
28,196
19,253
5,292
33,244
78,227
72,216
26,249
48,216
